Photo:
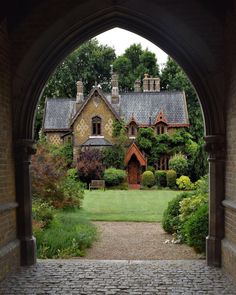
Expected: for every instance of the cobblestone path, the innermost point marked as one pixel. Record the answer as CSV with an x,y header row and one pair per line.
x,y
109,277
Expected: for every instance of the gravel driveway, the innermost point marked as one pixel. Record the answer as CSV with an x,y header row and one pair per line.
x,y
136,241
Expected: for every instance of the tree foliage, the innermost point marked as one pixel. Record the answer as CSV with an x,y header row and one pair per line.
x,y
133,64
174,78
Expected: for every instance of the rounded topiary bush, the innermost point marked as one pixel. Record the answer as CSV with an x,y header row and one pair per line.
x,y
171,178
195,229
148,179
113,176
184,183
171,221
160,177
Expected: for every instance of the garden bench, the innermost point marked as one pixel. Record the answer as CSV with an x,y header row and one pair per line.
x,y
97,184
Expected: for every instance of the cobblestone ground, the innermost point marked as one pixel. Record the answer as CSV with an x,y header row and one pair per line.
x,y
118,277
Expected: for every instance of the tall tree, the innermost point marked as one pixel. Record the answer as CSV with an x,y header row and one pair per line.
x,y
89,63
174,78
133,64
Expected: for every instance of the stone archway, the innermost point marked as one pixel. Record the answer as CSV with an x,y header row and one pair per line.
x,y
57,29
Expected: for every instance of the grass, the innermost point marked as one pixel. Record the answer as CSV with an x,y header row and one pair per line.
x,y
126,205
69,234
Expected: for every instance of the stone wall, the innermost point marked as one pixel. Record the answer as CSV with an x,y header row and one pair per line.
x,y
9,246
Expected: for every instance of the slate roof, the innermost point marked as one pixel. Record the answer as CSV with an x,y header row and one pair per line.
x,y
143,106
58,113
97,142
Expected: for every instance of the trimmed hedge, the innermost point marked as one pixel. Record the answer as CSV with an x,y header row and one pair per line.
x,y
148,179
160,177
113,176
171,178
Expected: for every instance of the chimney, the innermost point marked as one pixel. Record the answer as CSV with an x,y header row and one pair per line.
x,y
79,95
151,84
137,86
145,83
115,88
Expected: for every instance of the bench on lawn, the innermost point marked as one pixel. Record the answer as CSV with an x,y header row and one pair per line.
x,y
97,184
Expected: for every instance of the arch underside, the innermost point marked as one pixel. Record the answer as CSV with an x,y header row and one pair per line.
x,y
175,27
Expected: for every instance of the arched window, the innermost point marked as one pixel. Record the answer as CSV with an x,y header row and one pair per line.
x,y
96,125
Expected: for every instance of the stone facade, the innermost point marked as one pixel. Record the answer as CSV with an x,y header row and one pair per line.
x,y
82,126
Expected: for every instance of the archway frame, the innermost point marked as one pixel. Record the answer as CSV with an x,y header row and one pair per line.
x,y
37,65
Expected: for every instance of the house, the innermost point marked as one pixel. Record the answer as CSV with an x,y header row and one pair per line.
x,y
88,122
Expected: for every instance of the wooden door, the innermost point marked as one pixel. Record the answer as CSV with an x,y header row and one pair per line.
x,y
133,172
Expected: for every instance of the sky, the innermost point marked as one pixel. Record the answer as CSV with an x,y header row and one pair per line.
x,y
121,39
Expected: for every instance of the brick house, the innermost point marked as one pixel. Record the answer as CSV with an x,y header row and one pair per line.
x,y
88,122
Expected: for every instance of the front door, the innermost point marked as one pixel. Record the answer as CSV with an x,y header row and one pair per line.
x,y
134,171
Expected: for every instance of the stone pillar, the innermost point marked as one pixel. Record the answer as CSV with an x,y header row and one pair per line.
x,y
23,151
215,146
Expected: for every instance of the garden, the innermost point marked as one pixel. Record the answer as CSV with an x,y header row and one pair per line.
x,y
63,208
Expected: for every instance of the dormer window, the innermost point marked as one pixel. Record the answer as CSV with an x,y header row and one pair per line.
x,y
161,129
132,129
96,125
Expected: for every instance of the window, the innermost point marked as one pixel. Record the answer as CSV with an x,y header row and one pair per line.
x,y
96,126
160,129
132,130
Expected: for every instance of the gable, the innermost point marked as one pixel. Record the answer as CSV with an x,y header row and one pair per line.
x,y
95,106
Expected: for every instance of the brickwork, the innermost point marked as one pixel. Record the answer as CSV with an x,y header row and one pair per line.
x,y
83,125
7,192
9,257
229,243
54,138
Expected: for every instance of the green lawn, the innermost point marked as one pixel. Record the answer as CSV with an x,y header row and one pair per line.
x,y
130,205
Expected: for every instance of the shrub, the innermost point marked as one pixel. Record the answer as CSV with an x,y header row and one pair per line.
x,y
171,178
48,172
114,156
179,163
150,168
160,177
191,204
73,192
148,179
171,221
184,183
64,151
202,185
42,213
196,229
90,165
113,176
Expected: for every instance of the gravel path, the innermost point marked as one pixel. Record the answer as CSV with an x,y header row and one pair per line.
x,y
136,241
